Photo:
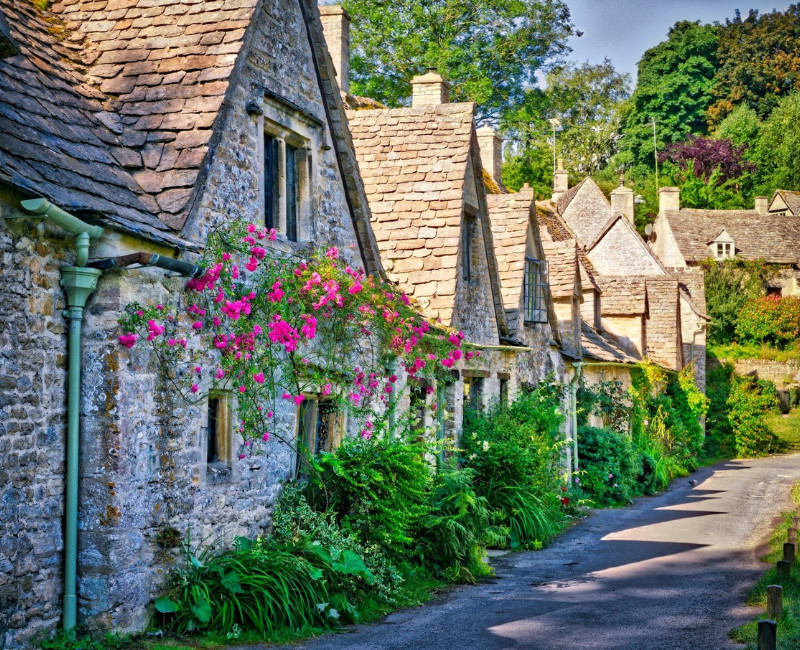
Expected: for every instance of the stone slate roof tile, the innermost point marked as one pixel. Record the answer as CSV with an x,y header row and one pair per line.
x,y
603,347
554,228
52,140
413,162
164,68
510,216
562,261
623,296
775,239
586,210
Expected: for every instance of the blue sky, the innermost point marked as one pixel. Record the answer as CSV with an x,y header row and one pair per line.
x,y
623,29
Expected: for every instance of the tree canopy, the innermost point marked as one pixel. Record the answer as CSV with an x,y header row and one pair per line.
x,y
674,87
489,50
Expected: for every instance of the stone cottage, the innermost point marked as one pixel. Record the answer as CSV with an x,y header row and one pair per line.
x,y
136,126
645,306
683,238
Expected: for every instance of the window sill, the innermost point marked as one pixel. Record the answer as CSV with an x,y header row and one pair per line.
x,y
218,473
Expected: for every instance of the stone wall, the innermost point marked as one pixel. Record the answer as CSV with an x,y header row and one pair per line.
x,y
779,372
622,252
32,427
663,324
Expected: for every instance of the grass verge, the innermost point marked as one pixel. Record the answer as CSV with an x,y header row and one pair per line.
x,y
789,622
786,428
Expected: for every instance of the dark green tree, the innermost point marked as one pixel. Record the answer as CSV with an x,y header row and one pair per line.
x,y
674,86
758,62
489,50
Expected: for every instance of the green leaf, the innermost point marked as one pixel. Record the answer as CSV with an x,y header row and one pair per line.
x,y
231,582
353,564
166,605
315,573
202,610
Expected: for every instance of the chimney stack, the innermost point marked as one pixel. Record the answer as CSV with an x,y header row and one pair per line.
x,y
336,26
669,199
622,200
762,204
429,89
491,146
560,180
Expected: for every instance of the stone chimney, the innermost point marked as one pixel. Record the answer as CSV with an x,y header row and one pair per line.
x,y
560,180
491,146
622,200
669,199
762,204
336,25
429,89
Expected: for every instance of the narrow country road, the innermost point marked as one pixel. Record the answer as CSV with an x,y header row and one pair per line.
x,y
670,572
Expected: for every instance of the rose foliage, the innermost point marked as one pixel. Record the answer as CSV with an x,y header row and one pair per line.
x,y
770,320
272,329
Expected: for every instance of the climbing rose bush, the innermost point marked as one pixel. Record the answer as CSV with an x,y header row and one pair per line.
x,y
271,329
770,320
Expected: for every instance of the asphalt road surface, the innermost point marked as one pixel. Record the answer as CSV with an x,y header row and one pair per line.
x,y
670,572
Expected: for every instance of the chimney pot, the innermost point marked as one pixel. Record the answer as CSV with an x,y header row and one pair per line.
x,y
491,146
762,204
336,27
669,199
429,89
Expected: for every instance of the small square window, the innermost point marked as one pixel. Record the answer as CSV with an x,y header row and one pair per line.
x,y
536,290
724,250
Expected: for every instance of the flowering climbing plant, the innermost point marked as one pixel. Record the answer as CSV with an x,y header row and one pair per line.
x,y
275,328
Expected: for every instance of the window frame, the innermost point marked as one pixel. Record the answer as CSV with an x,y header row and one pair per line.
x,y
217,448
536,304
291,168
469,222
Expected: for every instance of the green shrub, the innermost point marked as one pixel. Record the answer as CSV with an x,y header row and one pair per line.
x,y
770,320
257,585
729,285
296,525
450,536
377,489
610,466
719,440
749,401
515,451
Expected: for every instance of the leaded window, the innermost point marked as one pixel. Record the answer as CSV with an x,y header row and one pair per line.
x,y
536,290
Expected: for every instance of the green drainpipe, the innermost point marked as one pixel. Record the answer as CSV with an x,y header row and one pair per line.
x,y
78,282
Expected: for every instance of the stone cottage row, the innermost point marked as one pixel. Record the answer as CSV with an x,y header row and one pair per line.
x,y
140,126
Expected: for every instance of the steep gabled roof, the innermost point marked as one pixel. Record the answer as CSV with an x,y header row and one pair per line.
x,y
623,296
603,347
56,139
114,107
511,216
414,165
790,198
165,69
585,209
555,229
775,239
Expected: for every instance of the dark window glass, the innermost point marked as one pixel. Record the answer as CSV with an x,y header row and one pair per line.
x,y
466,247
212,447
504,391
272,193
291,193
536,290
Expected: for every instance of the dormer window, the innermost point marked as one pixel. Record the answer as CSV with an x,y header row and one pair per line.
x,y
724,251
282,184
